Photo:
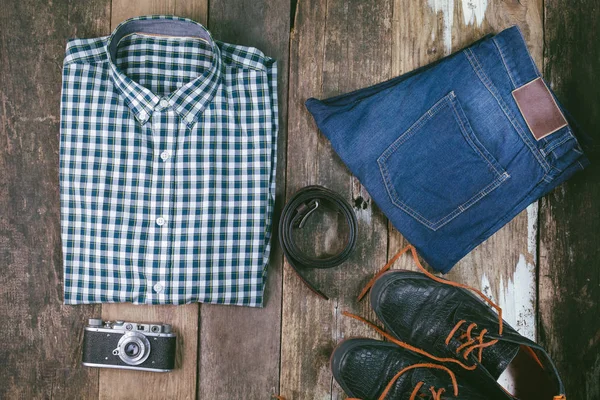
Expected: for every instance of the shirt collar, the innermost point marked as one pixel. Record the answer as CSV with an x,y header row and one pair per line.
x,y
190,100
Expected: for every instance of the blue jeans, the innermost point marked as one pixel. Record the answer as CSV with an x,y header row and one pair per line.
x,y
447,152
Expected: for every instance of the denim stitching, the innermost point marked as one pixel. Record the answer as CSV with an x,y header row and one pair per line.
x,y
558,172
468,137
553,146
484,192
467,204
492,89
504,62
535,68
474,61
429,114
551,174
395,198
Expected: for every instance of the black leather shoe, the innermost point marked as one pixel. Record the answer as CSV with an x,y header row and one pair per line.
x,y
449,321
373,370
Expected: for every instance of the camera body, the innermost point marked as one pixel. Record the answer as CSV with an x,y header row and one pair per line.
x,y
129,345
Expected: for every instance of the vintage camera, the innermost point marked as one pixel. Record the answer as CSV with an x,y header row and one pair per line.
x,y
128,345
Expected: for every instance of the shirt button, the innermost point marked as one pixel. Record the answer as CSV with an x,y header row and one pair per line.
x,y
158,288
163,103
165,155
160,221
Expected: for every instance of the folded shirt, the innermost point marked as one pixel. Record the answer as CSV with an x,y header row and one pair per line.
x,y
167,166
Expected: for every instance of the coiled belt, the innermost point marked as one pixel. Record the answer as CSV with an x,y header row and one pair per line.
x,y
295,213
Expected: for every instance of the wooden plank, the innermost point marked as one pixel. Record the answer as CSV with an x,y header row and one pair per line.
x,y
239,346
181,383
335,47
123,9
41,337
569,218
504,266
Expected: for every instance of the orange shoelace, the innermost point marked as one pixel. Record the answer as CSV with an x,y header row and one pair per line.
x,y
405,345
469,344
436,393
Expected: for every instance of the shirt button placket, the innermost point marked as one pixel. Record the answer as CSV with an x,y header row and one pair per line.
x,y
164,134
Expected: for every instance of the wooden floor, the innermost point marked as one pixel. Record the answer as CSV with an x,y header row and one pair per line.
x,y
543,268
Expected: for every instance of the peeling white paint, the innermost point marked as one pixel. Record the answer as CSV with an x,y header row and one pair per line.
x,y
486,287
517,300
474,11
532,222
473,14
364,215
446,7
516,297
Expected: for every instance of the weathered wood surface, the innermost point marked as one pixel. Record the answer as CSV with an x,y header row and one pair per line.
x,y
239,347
335,47
123,9
569,278
39,336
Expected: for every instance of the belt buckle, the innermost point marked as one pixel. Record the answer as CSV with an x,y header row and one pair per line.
x,y
304,211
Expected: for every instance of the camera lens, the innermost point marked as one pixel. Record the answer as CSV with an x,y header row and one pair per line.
x,y
132,349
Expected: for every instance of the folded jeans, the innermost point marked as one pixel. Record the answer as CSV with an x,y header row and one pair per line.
x,y
453,151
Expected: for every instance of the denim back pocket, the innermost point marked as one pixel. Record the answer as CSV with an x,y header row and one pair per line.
x,y
438,168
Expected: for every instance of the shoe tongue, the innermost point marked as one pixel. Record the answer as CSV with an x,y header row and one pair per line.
x,y
497,357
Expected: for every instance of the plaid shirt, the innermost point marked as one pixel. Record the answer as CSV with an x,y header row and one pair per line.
x,y
167,166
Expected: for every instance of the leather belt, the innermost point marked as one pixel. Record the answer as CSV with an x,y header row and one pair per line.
x,y
295,213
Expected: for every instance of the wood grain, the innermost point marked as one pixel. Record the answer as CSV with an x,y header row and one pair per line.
x,y
239,347
123,9
569,218
504,266
335,47
40,336
181,383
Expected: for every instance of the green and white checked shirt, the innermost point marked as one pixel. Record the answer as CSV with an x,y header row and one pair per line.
x,y
167,166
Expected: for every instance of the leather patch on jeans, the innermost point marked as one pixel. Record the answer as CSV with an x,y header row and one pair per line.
x,y
539,108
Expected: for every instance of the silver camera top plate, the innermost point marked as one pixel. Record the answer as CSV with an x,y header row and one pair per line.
x,y
148,329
